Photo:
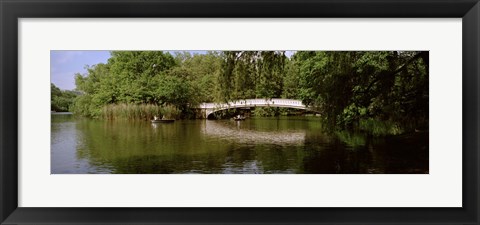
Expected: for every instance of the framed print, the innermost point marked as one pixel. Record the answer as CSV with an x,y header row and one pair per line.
x,y
318,112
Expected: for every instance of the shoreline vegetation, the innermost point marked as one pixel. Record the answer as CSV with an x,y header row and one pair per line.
x,y
139,112
376,92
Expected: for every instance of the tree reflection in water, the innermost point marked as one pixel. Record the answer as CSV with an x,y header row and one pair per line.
x,y
253,146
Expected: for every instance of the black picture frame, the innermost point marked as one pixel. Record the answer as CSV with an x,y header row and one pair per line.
x,y
12,10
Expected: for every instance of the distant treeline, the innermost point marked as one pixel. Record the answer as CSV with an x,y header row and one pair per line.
x,y
382,92
61,101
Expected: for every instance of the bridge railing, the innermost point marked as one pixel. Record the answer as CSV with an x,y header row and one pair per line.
x,y
254,102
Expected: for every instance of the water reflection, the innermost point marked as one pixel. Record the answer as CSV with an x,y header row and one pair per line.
x,y
242,132
254,146
247,167
65,141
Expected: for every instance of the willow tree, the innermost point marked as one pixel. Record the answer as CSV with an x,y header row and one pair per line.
x,y
357,89
252,74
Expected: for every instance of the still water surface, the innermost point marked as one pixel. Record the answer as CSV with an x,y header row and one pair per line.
x,y
256,145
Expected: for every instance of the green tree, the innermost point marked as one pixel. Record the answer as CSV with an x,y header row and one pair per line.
x,y
362,89
61,101
129,77
251,74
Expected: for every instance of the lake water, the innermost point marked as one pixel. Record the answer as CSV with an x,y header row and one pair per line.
x,y
254,146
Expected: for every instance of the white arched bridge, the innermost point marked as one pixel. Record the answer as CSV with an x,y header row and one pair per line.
x,y
209,108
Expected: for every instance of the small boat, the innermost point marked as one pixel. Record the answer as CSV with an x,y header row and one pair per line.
x,y
163,121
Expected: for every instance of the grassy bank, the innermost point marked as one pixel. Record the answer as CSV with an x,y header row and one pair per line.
x,y
138,111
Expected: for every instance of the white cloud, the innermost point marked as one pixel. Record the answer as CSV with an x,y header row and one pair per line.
x,y
289,54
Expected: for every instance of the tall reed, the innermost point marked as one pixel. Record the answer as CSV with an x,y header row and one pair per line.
x,y
138,111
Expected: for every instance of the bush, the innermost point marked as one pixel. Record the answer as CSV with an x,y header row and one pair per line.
x,y
380,128
264,112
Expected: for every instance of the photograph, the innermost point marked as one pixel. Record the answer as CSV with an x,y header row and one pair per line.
x,y
239,112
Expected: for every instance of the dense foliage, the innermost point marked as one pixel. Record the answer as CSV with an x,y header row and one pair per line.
x,y
382,92
61,101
